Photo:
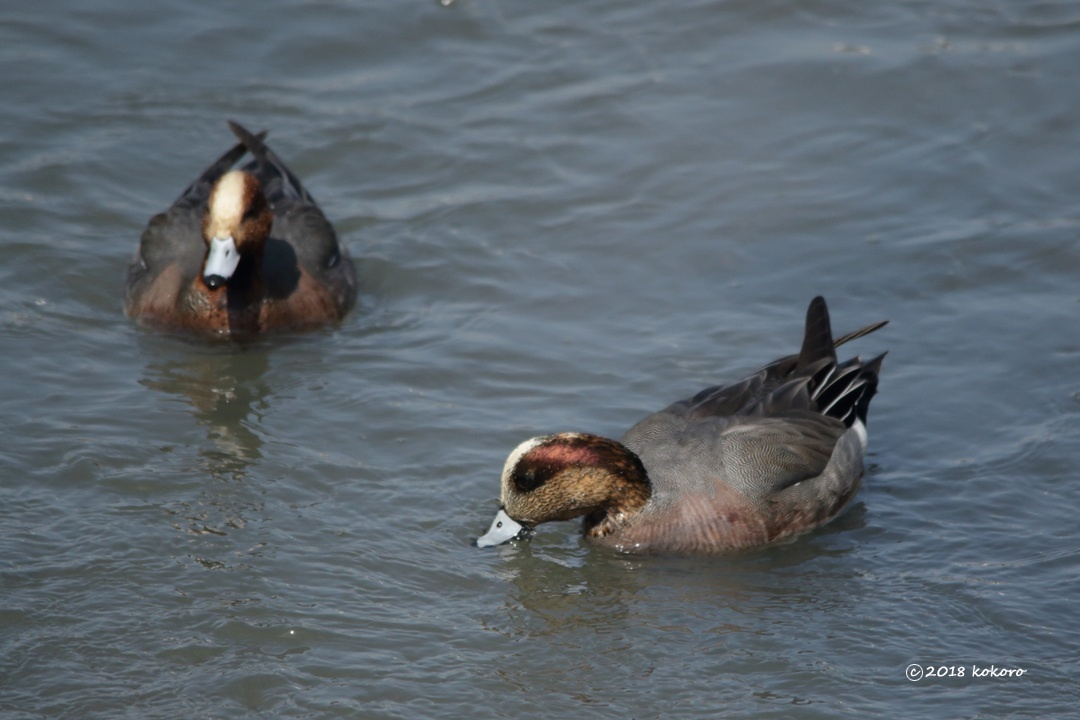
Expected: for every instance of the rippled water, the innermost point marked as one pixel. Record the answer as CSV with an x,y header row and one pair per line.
x,y
563,218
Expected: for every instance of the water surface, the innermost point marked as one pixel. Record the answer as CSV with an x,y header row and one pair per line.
x,y
563,218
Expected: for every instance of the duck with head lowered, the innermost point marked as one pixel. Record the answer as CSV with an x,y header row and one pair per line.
x,y
241,253
733,467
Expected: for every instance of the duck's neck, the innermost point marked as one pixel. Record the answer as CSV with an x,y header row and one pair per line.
x,y
626,488
245,294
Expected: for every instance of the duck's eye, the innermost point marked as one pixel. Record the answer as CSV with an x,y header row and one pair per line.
x,y
498,524
528,479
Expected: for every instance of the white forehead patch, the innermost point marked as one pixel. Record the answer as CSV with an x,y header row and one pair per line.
x,y
227,200
516,456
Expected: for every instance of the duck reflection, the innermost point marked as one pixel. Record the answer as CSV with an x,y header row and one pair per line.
x,y
224,387
563,592
554,586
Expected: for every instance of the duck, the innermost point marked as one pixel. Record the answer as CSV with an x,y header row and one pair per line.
x,y
732,468
242,252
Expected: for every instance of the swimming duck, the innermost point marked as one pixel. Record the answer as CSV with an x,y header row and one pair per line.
x,y
733,467
241,252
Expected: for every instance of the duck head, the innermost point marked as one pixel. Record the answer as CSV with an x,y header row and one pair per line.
x,y
236,224
564,476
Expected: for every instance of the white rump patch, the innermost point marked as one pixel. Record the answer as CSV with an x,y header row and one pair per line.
x,y
860,431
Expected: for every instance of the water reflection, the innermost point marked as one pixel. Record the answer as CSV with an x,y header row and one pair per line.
x,y
224,387
554,586
582,621
569,590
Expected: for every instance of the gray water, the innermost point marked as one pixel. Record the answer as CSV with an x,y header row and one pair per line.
x,y
564,217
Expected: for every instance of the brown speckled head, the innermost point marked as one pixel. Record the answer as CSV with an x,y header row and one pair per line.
x,y
561,477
